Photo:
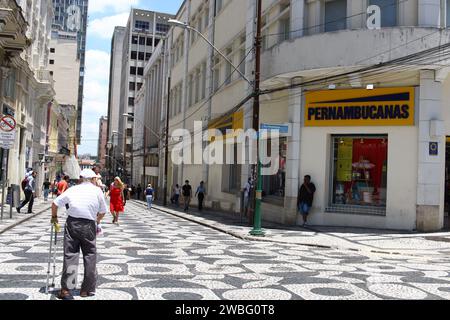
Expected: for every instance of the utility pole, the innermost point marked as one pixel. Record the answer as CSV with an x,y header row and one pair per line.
x,y
166,157
145,158
257,231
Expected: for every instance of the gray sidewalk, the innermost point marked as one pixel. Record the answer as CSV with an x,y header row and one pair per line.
x,y
356,239
39,207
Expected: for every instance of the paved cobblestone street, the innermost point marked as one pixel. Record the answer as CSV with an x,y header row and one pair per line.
x,y
154,256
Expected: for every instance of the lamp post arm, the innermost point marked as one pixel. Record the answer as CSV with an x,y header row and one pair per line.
x,y
220,53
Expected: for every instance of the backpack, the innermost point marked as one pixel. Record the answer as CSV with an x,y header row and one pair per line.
x,y
24,183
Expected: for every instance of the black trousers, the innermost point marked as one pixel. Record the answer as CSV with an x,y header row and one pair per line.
x,y
201,197
28,199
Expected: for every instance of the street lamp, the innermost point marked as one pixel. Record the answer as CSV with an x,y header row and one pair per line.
x,y
184,25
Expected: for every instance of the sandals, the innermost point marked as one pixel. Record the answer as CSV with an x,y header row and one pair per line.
x,y
87,294
65,295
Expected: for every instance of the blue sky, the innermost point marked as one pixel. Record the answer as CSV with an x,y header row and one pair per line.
x,y
104,15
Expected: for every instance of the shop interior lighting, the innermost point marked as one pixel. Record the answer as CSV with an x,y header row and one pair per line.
x,y
370,87
362,141
332,86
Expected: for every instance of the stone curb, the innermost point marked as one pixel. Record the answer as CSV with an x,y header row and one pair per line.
x,y
253,238
27,218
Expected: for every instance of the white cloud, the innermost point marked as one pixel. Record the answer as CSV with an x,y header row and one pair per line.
x,y
99,6
104,27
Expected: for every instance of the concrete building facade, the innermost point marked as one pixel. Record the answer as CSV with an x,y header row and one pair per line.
x,y
144,31
27,86
362,91
102,141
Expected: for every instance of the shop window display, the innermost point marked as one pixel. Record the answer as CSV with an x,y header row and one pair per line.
x,y
274,185
360,171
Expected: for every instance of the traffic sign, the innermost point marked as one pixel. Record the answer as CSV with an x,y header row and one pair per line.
x,y
8,124
7,132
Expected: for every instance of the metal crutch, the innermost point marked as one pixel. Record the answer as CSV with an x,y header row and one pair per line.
x,y
49,259
54,255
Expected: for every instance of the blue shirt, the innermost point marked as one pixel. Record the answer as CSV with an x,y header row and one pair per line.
x,y
149,191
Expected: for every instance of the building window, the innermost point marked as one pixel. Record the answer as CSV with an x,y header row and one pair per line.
x,y
132,86
139,86
134,40
388,11
52,62
140,71
335,15
131,102
52,50
274,186
219,5
142,25
149,42
285,29
359,171
133,55
163,28
448,13
142,41
133,71
148,55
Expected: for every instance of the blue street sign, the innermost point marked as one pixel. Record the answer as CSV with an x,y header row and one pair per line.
x,y
434,149
282,128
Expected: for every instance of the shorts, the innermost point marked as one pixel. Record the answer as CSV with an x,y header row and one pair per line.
x,y
304,208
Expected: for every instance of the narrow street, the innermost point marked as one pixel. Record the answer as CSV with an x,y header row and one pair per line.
x,y
156,256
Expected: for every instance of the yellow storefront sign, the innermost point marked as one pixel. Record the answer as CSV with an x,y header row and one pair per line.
x,y
232,122
360,107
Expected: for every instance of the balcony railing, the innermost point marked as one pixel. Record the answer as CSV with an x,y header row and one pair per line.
x,y
44,76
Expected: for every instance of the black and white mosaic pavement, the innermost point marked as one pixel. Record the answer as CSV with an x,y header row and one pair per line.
x,y
153,256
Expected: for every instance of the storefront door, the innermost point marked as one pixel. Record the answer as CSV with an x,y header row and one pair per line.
x,y
447,186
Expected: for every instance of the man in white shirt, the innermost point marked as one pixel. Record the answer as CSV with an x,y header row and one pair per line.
x,y
86,208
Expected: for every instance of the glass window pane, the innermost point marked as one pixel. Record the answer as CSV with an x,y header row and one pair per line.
x,y
388,12
360,171
335,15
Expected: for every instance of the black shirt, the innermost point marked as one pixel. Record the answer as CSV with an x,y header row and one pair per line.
x,y
305,195
47,185
187,190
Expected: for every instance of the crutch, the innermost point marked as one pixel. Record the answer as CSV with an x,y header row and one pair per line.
x,y
53,241
49,258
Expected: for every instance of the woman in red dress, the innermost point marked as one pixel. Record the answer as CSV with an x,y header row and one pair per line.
x,y
117,200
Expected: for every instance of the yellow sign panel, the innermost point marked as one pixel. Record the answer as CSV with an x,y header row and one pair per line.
x,y
232,122
360,107
344,161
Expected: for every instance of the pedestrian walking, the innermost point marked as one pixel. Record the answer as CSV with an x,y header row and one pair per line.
x,y
138,192
87,207
176,192
63,185
29,188
187,195
46,186
117,202
126,194
306,198
200,194
54,188
247,192
149,194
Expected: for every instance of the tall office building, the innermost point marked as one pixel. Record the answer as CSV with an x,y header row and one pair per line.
x,y
144,30
67,55
115,76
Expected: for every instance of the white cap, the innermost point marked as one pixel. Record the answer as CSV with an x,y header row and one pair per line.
x,y
88,174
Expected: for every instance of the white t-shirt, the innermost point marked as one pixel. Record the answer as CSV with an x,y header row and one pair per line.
x,y
85,201
247,188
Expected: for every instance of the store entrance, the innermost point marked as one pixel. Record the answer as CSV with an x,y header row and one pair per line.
x,y
447,185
